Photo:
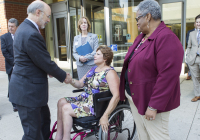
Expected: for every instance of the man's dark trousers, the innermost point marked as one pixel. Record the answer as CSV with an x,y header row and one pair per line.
x,y
9,76
37,120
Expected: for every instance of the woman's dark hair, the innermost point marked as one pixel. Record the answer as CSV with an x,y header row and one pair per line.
x,y
197,17
107,53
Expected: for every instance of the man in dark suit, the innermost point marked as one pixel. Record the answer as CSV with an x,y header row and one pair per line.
x,y
7,49
29,83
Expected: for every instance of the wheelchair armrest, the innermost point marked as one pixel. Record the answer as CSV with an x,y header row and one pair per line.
x,y
101,101
77,90
104,99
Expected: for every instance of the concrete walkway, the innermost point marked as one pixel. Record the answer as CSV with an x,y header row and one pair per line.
x,y
184,121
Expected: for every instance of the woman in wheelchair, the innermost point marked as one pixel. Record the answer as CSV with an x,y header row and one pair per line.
x,y
99,78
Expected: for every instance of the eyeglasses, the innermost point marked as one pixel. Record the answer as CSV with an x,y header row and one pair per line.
x,y
138,18
46,15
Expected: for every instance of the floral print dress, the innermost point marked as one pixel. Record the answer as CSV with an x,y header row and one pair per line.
x,y
94,82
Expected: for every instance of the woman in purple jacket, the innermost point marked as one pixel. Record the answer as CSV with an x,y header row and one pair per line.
x,y
150,74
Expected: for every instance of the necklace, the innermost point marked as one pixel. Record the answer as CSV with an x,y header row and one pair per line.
x,y
141,42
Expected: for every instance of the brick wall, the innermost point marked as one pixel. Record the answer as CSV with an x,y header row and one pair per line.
x,y
12,9
2,31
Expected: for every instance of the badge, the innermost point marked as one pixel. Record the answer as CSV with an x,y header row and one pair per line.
x,y
76,43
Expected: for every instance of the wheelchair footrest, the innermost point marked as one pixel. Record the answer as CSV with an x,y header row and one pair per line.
x,y
86,122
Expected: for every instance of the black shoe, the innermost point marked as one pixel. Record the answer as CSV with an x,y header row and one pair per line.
x,y
15,109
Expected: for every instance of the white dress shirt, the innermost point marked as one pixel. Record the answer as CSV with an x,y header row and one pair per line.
x,y
12,35
198,36
34,24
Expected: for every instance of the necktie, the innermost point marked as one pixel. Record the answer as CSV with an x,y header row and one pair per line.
x,y
13,36
198,37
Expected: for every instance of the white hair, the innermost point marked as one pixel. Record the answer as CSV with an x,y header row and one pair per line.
x,y
149,6
34,6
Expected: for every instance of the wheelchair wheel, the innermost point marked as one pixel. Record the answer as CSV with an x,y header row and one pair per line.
x,y
122,125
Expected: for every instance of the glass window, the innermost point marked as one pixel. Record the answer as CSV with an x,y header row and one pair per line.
x,y
75,12
171,15
192,10
57,0
98,25
95,13
52,1
124,28
60,22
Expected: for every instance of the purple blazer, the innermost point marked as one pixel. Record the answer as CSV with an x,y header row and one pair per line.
x,y
153,71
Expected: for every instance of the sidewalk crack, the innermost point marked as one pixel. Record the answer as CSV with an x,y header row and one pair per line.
x,y
193,120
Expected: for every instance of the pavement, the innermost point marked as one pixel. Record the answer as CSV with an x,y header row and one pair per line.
x,y
184,122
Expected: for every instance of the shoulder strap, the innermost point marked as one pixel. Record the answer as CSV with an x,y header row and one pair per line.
x,y
91,72
104,75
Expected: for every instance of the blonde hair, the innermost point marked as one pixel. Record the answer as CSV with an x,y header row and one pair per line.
x,y
80,21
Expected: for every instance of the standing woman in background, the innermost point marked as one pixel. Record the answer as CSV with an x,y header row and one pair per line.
x,y
85,42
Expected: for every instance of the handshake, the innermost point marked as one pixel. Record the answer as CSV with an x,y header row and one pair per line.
x,y
68,78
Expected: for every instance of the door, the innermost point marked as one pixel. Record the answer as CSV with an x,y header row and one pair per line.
x,y
174,16
60,39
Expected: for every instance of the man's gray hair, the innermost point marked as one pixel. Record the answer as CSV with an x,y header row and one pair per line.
x,y
149,6
13,20
34,6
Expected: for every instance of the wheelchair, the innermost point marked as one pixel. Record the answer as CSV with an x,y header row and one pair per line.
x,y
121,122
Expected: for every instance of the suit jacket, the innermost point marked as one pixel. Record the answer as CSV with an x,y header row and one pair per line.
x,y
192,48
93,41
187,36
153,71
7,50
29,83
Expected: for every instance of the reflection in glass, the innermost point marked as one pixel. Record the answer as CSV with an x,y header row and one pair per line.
x,y
60,22
124,28
98,25
75,13
95,13
57,1
73,26
172,17
192,11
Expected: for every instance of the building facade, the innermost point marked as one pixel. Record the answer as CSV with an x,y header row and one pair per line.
x,y
114,23
12,9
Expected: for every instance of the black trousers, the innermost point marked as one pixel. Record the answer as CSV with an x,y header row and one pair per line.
x,y
35,122
9,76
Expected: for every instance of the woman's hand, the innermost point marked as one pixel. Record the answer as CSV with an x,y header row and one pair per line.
x,y
104,123
150,114
68,78
83,59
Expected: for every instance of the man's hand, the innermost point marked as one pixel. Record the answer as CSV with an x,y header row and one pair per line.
x,y
50,76
82,59
150,114
68,78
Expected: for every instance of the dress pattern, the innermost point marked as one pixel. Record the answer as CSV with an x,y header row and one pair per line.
x,y
94,82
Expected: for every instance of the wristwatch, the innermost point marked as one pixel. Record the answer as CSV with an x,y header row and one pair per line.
x,y
151,108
